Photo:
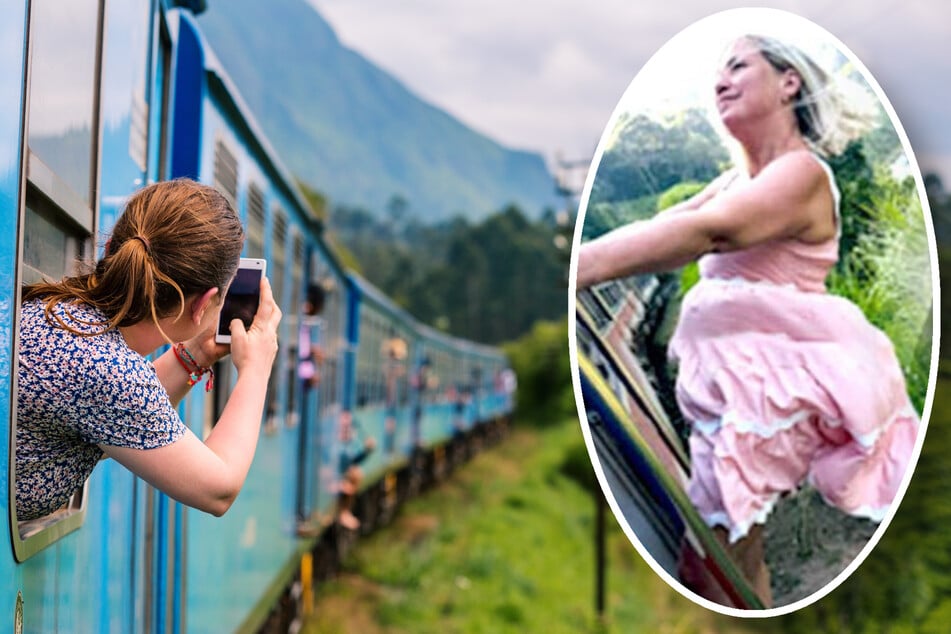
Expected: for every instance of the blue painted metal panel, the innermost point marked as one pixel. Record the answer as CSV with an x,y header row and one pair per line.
x,y
12,70
189,69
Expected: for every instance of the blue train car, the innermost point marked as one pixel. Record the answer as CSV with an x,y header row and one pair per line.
x,y
463,397
100,99
380,394
425,397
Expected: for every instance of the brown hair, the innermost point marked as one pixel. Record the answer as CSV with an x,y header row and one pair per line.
x,y
174,239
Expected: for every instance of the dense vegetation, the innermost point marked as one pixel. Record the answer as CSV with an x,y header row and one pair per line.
x,y
648,157
489,281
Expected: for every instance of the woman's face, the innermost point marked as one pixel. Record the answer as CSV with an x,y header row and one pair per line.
x,y
748,88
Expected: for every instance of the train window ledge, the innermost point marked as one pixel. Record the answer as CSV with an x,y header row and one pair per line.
x,y
34,535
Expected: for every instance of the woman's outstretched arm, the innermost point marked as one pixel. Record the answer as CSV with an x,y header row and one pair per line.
x,y
790,198
209,475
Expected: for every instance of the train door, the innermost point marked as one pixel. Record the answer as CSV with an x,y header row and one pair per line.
x,y
329,331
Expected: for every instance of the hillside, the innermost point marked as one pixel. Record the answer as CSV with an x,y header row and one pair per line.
x,y
348,129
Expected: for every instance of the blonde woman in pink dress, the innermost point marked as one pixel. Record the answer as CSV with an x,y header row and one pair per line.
x,y
783,383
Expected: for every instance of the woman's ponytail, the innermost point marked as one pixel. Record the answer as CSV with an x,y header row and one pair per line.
x,y
174,239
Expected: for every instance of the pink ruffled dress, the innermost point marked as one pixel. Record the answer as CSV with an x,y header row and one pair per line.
x,y
785,384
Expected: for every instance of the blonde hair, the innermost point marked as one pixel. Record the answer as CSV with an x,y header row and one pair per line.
x,y
174,239
831,110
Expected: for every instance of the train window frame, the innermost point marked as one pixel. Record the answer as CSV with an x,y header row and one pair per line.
x,y
294,317
332,336
280,232
47,196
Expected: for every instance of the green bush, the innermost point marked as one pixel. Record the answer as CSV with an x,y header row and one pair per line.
x,y
886,270
541,363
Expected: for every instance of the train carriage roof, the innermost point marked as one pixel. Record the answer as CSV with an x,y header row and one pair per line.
x,y
223,88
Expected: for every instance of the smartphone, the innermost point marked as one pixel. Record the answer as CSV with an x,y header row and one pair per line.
x,y
243,297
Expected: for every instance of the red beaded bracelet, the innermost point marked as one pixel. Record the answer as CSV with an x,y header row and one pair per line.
x,y
195,371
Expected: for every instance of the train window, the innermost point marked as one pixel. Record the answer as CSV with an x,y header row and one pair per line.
x,y
278,253
611,293
51,244
59,218
276,275
64,90
594,307
331,336
254,245
292,316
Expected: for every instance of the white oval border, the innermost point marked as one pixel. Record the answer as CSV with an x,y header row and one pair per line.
x,y
753,19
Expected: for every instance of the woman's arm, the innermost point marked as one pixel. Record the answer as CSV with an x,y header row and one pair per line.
x,y
173,376
208,475
790,198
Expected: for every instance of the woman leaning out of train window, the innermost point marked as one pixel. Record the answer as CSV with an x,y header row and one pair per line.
x,y
86,389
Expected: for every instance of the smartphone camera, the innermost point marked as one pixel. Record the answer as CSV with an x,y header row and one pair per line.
x,y
242,299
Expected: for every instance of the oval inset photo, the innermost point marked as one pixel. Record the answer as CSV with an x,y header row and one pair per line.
x,y
754,277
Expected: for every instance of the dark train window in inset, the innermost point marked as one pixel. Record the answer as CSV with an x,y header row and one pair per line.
x,y
611,293
594,307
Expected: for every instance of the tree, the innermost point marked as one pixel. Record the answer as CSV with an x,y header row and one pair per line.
x,y
650,156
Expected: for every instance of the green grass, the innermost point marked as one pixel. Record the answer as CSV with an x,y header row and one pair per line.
x,y
506,546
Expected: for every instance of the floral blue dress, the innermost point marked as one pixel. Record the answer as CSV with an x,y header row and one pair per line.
x,y
74,394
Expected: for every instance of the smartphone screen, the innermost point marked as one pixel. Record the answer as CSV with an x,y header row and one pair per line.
x,y
242,299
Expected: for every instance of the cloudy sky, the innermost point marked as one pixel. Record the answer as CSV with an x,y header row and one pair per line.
x,y
546,75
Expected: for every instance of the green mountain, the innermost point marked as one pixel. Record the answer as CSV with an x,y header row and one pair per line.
x,y
348,129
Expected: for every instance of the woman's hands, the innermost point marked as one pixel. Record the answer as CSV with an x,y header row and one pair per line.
x,y
256,347
254,341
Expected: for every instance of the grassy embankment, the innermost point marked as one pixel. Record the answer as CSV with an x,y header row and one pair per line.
x,y
507,545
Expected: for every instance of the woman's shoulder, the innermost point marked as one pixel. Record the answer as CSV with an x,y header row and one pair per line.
x,y
72,335
796,178
803,166
76,315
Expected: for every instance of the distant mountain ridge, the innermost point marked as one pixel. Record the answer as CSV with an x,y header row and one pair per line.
x,y
350,130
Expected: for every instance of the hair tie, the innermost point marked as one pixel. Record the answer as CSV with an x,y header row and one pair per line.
x,y
145,243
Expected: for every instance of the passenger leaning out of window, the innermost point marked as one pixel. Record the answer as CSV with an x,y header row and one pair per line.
x,y
85,387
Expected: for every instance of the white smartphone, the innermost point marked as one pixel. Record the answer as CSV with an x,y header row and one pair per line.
x,y
243,297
